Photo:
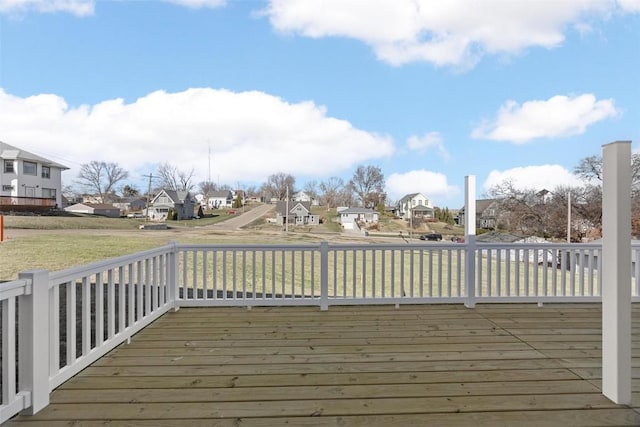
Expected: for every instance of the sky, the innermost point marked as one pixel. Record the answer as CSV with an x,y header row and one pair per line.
x,y
238,90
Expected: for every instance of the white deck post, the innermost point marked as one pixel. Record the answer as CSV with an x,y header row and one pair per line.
x,y
172,280
470,239
616,272
324,276
33,357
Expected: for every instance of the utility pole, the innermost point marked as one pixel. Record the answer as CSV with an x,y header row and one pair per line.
x,y
286,222
150,176
569,217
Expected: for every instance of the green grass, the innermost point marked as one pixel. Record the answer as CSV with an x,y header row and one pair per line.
x,y
79,222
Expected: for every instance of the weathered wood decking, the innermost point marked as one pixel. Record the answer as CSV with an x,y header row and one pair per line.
x,y
511,364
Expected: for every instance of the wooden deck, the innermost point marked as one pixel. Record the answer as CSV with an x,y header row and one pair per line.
x,y
444,365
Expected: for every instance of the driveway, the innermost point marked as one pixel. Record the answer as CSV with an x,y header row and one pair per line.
x,y
243,219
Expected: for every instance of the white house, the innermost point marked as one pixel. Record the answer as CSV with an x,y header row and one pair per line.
x,y
301,196
26,178
416,205
348,217
220,199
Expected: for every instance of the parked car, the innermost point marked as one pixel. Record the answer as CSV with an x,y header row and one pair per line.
x,y
431,236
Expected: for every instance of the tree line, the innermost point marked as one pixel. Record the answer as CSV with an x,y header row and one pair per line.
x,y
104,179
545,212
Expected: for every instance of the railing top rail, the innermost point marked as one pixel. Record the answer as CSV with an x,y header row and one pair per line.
x,y
250,247
396,246
98,266
315,246
8,289
548,245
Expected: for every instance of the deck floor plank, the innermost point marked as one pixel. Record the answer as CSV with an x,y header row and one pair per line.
x,y
515,364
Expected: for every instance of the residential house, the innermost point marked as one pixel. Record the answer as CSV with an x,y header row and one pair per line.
x,y
487,211
166,200
29,180
129,205
220,199
414,205
100,209
301,196
349,218
299,213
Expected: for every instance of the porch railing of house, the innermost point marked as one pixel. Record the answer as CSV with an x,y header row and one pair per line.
x,y
55,324
27,201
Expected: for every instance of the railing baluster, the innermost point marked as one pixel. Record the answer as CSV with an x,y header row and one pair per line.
x,y
86,315
111,304
54,330
9,350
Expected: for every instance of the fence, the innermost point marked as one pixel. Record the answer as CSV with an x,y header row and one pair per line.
x,y
56,324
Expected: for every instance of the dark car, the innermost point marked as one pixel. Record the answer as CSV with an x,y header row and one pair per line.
x,y
431,236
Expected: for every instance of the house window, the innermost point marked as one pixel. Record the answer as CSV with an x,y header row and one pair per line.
x,y
7,187
30,168
8,166
49,193
46,172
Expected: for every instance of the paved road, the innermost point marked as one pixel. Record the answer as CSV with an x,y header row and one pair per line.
x,y
243,219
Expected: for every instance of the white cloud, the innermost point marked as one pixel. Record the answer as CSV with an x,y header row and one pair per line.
x,y
558,116
251,134
444,33
198,4
532,178
431,140
75,7
629,5
432,185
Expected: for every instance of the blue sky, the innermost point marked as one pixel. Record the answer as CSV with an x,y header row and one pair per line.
x,y
428,91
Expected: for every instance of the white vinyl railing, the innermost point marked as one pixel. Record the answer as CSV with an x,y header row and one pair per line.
x,y
56,324
68,319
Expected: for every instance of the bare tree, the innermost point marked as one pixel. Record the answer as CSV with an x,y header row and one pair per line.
x,y
278,184
101,178
311,188
173,179
589,169
252,191
330,190
545,213
368,184
207,187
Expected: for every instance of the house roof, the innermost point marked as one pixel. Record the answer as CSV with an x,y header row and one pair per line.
x,y
176,196
94,206
481,205
357,210
10,152
410,196
281,206
421,208
221,193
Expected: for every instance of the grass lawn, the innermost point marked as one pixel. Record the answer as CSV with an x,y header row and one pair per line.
x,y
70,241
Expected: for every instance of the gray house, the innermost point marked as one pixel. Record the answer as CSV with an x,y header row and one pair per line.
x,y
299,213
166,200
487,212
